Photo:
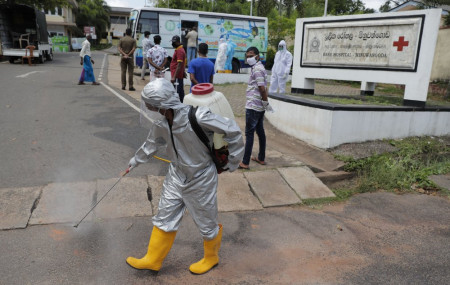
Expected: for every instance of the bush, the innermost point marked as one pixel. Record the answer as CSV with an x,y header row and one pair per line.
x,y
270,58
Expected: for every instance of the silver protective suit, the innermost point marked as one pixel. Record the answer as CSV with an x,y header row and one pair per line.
x,y
191,182
280,70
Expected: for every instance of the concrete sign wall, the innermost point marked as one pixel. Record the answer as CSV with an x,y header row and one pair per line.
x,y
374,43
395,48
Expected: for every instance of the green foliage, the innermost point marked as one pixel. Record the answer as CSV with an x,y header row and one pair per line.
x,y
447,20
40,4
270,56
280,28
100,46
264,7
94,13
406,169
313,8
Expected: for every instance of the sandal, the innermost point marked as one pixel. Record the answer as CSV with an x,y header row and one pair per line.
x,y
81,83
95,83
243,166
258,161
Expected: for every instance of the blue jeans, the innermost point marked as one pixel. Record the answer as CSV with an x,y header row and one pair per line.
x,y
254,121
192,53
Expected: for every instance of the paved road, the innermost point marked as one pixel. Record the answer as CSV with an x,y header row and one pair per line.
x,y
378,238
56,131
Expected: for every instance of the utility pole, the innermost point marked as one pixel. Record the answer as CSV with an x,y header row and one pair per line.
x,y
279,7
251,7
325,9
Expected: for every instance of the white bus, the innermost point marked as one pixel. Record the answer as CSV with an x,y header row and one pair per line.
x,y
243,31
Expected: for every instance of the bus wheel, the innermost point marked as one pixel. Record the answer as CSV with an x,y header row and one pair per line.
x,y
234,67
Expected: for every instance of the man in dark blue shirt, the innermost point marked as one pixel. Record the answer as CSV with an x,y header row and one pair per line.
x,y
201,69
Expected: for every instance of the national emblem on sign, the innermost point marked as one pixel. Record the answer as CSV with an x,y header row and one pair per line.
x,y
314,46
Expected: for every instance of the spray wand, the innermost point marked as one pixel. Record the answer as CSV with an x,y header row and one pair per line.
x,y
117,182
125,173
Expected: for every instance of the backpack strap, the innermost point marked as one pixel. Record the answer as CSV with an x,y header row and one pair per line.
x,y
204,138
197,129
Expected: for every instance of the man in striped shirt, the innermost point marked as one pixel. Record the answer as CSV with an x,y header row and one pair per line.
x,y
255,108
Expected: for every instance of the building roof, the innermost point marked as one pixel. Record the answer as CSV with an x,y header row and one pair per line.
x,y
123,10
414,3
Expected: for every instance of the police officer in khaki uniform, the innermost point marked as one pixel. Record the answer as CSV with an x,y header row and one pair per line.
x,y
127,46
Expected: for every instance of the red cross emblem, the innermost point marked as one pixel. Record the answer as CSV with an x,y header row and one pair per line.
x,y
401,43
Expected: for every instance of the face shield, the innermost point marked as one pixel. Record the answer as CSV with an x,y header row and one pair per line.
x,y
150,115
157,95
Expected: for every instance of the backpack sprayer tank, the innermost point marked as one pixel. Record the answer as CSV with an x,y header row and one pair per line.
x,y
203,94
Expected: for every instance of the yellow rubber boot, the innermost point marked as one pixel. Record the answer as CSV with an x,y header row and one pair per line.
x,y
211,255
158,248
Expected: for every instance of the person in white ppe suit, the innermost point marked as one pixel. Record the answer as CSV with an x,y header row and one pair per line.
x,y
280,70
221,58
191,181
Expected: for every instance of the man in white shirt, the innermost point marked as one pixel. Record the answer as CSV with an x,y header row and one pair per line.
x,y
157,59
87,74
192,44
146,45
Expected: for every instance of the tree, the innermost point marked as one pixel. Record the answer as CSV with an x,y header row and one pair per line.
x,y
94,13
280,27
40,4
263,7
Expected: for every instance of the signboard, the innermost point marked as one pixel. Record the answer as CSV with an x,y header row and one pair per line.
x,y
60,43
77,43
377,43
90,31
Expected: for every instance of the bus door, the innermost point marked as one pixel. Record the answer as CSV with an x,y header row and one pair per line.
x,y
188,21
186,27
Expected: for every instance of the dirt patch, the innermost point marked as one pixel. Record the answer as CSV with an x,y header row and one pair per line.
x,y
364,149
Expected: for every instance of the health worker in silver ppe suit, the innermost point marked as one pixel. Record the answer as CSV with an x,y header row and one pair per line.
x,y
191,181
280,70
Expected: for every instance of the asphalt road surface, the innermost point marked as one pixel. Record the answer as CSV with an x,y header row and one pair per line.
x,y
53,130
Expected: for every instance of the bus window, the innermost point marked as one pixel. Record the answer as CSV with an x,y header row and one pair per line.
x,y
148,21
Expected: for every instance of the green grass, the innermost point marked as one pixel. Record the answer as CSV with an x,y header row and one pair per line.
x,y
356,100
385,94
404,170
101,46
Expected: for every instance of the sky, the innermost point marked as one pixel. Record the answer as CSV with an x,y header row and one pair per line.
x,y
374,4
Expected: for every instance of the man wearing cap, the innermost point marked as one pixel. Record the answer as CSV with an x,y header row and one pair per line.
x,y
177,66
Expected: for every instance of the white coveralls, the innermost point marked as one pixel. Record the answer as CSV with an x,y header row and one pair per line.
x,y
221,55
280,70
191,181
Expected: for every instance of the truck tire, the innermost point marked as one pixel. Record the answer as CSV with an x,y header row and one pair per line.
x,y
41,58
49,56
11,60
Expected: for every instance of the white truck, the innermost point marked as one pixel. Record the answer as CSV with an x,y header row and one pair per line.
x,y
21,26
